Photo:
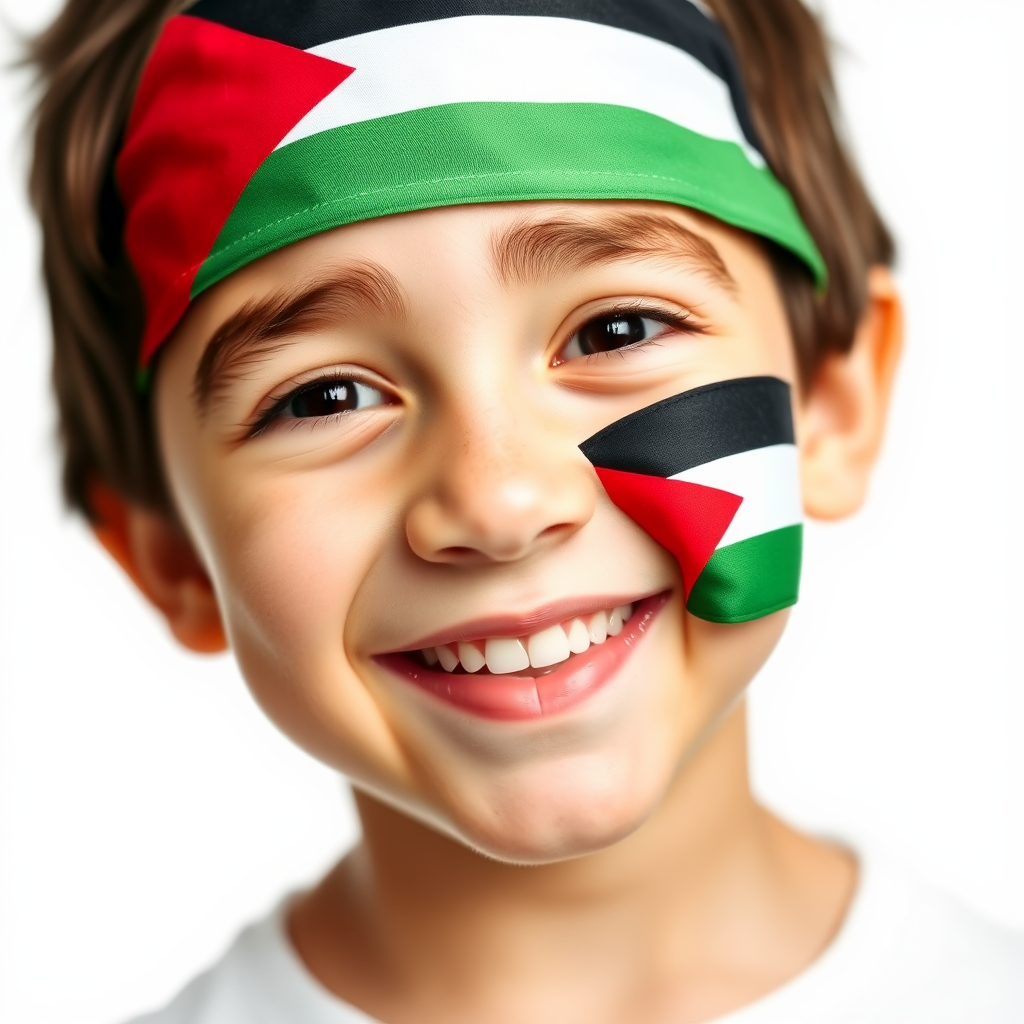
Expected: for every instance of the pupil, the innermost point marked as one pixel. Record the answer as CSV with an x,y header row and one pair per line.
x,y
323,400
611,333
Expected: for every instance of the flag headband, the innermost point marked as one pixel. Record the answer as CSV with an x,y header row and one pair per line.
x,y
261,122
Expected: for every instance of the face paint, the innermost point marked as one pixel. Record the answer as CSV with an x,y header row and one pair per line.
x,y
261,122
712,475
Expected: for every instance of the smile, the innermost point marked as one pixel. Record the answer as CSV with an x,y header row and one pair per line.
x,y
533,674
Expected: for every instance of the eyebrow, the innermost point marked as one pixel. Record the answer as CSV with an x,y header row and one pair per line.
x,y
262,326
534,250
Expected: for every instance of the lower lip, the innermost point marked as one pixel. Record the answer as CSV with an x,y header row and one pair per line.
x,y
512,698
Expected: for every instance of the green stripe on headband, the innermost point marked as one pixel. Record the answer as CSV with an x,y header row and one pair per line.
x,y
493,153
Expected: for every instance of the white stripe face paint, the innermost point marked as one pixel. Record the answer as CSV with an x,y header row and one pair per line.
x,y
511,59
768,481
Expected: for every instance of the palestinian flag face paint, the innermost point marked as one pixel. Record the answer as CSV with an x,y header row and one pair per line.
x,y
260,122
712,475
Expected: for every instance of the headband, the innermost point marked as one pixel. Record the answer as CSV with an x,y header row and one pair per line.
x,y
261,122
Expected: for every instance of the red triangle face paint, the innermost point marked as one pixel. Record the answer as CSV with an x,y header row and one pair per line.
x,y
210,97
686,518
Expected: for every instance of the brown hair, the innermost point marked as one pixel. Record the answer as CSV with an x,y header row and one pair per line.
x,y
88,63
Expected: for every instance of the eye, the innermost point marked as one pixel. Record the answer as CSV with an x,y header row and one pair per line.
x,y
613,331
328,398
321,398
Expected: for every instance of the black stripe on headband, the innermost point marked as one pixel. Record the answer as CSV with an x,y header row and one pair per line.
x,y
698,426
308,23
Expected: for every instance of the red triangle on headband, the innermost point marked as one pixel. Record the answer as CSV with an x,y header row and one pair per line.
x,y
687,518
213,103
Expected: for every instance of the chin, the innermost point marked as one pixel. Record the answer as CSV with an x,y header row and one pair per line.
x,y
542,815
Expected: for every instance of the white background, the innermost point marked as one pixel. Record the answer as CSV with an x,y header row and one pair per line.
x,y
147,809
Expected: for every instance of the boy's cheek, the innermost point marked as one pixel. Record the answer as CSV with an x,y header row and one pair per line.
x,y
291,565
287,557
728,657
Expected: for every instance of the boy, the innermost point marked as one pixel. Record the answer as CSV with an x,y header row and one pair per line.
x,y
440,346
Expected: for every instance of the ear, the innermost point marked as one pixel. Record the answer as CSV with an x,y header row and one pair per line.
x,y
154,551
842,418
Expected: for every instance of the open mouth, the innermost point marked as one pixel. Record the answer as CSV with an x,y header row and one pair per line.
x,y
550,670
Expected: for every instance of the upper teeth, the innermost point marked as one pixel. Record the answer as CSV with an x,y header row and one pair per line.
x,y
538,650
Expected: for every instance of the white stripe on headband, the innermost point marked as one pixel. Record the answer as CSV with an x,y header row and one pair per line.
x,y
501,58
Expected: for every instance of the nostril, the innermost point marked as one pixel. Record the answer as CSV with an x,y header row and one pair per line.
x,y
556,530
502,549
459,552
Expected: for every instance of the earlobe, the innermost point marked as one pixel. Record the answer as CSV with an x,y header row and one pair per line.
x,y
161,562
842,420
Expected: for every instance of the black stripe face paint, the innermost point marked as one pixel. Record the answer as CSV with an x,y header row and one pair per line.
x,y
698,426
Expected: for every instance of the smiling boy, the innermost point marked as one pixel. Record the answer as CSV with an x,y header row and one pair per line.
x,y
488,352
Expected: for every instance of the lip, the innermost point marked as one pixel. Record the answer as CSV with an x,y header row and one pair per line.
x,y
513,698
523,625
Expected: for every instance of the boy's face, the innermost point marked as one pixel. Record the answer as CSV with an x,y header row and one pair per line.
x,y
371,438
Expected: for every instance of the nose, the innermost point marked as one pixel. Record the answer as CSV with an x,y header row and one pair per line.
x,y
503,488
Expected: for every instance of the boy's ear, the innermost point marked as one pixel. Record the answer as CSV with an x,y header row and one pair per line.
x,y
162,563
842,417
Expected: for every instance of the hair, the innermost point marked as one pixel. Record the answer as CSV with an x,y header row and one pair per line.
x,y
87,65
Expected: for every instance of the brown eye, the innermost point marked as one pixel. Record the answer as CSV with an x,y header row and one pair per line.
x,y
328,398
611,332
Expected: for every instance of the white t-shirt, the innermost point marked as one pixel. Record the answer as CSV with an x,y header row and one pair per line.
x,y
905,954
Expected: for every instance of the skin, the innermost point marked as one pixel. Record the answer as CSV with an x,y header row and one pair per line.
x,y
656,889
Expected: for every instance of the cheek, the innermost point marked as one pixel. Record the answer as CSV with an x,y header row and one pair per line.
x,y
724,659
289,556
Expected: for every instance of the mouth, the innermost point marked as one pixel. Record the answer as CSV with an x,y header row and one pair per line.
x,y
506,675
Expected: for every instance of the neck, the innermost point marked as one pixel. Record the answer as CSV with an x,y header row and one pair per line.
x,y
710,887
